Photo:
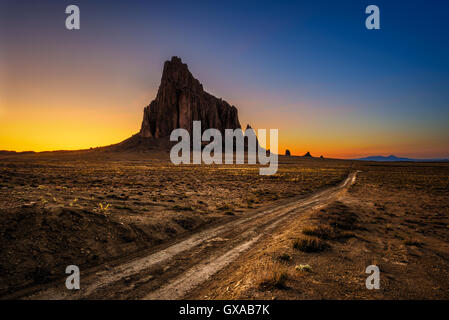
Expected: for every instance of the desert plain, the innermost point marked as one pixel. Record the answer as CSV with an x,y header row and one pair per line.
x,y
139,227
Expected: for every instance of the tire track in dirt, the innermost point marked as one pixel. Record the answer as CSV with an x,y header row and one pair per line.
x,y
208,252
180,286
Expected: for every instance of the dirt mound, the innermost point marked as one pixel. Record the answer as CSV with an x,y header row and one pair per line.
x,y
137,143
38,243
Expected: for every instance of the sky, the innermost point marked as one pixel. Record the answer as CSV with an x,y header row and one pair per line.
x,y
308,68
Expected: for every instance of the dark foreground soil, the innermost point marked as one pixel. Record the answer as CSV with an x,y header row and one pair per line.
x,y
396,216
89,209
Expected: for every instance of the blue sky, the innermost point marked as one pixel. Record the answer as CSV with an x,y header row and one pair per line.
x,y
311,69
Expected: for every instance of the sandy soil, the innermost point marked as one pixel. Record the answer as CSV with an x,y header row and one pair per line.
x,y
96,209
141,228
171,272
395,216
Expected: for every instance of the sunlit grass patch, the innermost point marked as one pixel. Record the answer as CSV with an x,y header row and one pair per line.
x,y
103,208
272,276
304,267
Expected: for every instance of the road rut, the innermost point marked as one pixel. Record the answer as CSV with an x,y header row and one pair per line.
x,y
172,272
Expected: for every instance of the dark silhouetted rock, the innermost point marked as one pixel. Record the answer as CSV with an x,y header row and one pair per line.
x,y
287,152
180,100
308,155
321,157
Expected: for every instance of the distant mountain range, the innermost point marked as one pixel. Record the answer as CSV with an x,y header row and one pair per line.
x,y
394,158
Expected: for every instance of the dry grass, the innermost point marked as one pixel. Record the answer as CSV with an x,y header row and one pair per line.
x,y
304,267
334,223
284,257
272,276
407,199
413,242
321,231
310,244
141,193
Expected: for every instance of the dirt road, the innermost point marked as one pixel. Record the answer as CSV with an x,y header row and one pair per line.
x,y
171,272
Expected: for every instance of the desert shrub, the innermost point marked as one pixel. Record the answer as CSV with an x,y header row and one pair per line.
x,y
339,217
103,209
413,242
182,208
271,275
322,231
224,207
274,279
346,235
283,257
310,244
304,267
345,221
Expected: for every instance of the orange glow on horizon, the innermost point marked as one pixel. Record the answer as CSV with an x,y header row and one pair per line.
x,y
79,114
75,129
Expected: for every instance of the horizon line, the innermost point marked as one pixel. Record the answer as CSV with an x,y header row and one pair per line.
x,y
359,157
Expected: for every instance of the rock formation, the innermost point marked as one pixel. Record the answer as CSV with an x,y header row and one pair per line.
x,y
180,100
287,152
308,155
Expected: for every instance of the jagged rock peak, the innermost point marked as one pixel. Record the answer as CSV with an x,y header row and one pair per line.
x,y
180,100
177,73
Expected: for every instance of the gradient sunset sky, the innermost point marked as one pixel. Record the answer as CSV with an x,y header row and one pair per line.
x,y
310,69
